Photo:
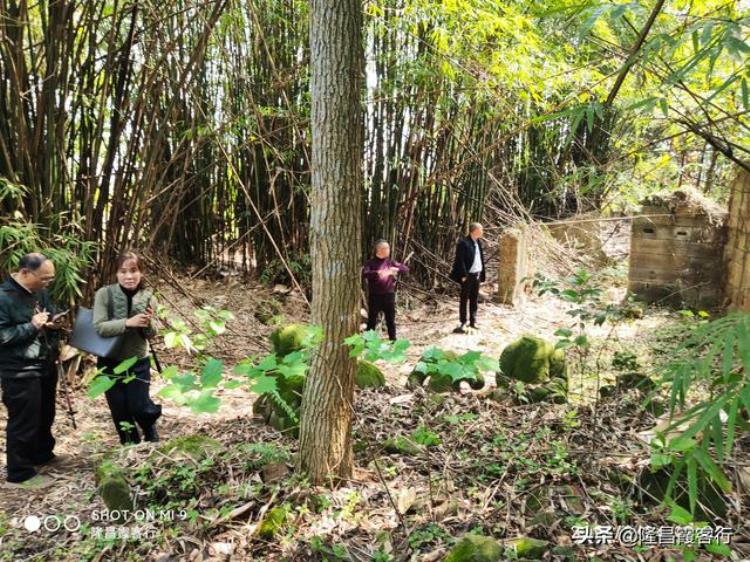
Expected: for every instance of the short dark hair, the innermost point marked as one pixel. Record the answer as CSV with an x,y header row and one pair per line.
x,y
32,261
129,255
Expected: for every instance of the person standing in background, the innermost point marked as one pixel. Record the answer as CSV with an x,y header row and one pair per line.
x,y
469,271
381,274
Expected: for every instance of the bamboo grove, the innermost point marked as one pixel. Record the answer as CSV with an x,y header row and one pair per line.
x,y
181,127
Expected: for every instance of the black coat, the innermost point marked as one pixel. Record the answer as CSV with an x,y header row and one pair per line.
x,y
465,258
24,350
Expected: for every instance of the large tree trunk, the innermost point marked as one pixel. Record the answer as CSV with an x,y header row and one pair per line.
x,y
336,232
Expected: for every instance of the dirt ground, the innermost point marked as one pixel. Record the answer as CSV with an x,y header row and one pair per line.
x,y
424,322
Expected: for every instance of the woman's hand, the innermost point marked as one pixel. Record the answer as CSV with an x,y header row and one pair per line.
x,y
142,320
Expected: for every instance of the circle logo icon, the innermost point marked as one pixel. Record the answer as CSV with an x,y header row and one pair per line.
x,y
32,523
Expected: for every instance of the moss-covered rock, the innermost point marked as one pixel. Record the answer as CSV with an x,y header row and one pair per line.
x,y
114,489
196,447
529,548
478,383
369,375
274,522
287,339
475,548
416,380
267,310
276,414
291,389
557,365
440,383
262,406
401,445
532,360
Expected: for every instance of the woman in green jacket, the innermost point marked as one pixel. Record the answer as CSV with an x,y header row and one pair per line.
x,y
127,308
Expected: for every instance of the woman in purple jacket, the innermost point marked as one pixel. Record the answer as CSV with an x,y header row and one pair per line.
x,y
381,273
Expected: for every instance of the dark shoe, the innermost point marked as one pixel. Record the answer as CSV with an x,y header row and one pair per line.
x,y
460,329
473,326
34,483
57,461
150,434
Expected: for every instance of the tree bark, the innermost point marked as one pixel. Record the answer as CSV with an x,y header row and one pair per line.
x,y
337,63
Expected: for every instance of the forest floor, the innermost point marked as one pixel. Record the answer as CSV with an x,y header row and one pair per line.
x,y
483,464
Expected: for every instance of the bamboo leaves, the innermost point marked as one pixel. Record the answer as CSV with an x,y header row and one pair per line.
x,y
700,438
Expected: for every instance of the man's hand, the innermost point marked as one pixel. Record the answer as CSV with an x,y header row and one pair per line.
x,y
393,271
40,320
139,321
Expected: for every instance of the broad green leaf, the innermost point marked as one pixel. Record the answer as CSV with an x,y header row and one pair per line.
x,y
100,385
174,393
125,365
206,402
212,373
679,515
712,469
692,474
264,384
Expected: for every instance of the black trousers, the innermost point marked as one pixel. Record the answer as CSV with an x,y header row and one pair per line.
x,y
470,296
129,402
31,411
382,303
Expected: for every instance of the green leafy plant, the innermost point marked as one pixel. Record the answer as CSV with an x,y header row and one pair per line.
x,y
101,382
468,366
211,322
424,436
703,425
73,257
584,292
370,347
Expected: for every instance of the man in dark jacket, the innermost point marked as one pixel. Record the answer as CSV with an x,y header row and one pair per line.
x,y
469,271
28,350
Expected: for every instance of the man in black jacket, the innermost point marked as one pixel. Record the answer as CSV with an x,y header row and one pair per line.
x,y
28,350
469,271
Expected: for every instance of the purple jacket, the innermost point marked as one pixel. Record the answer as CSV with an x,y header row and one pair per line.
x,y
376,284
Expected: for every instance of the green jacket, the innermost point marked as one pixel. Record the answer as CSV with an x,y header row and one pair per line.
x,y
135,342
24,350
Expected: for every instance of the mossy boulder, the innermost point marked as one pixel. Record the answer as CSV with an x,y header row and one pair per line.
x,y
113,487
268,310
529,548
416,380
555,391
440,383
274,522
475,548
532,360
196,447
369,375
288,339
558,368
277,415
401,445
